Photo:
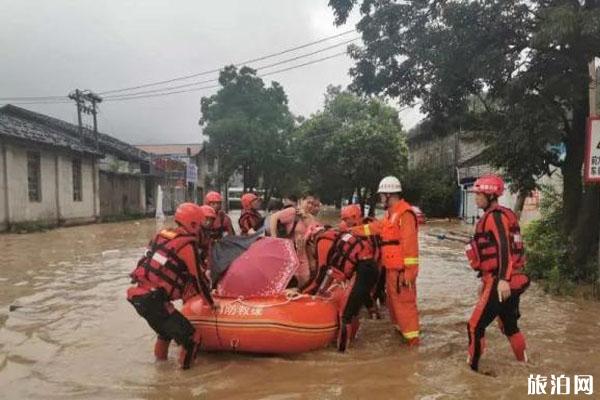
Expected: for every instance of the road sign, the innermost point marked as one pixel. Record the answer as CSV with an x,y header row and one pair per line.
x,y
192,173
592,151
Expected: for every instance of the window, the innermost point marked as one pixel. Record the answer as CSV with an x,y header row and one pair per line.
x,y
76,166
34,184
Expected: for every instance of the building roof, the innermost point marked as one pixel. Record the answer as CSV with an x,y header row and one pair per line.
x,y
14,126
172,149
106,143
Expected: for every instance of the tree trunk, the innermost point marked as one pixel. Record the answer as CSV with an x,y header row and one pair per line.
x,y
581,204
584,237
245,177
518,208
372,202
572,186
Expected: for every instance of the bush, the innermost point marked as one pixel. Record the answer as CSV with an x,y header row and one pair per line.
x,y
546,247
434,190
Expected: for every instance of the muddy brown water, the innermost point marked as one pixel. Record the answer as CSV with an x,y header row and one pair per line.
x,y
75,336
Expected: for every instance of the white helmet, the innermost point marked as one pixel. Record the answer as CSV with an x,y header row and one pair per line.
x,y
389,184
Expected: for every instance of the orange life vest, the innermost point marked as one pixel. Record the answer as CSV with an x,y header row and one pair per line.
x,y
161,266
392,255
250,219
337,254
221,226
367,231
482,250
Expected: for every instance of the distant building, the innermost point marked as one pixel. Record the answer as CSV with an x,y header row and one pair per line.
x,y
183,170
464,153
52,175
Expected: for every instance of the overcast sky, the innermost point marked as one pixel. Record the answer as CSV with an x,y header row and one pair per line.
x,y
50,47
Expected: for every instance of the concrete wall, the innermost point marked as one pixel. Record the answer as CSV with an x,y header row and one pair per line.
x,y
20,208
3,177
56,205
142,198
69,209
120,194
434,153
441,151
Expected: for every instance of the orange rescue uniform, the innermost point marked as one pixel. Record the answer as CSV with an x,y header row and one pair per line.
x,y
400,258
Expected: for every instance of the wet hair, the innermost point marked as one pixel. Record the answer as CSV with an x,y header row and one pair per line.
x,y
274,205
291,197
311,194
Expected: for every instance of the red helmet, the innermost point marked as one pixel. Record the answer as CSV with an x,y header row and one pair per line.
x,y
213,197
352,212
190,217
247,200
208,212
489,184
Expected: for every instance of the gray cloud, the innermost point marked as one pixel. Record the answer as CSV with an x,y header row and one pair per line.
x,y
52,47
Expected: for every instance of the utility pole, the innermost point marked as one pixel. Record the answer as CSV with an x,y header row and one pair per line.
x,y
593,113
86,102
94,99
77,96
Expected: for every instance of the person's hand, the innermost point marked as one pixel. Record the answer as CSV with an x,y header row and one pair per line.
x,y
410,276
503,290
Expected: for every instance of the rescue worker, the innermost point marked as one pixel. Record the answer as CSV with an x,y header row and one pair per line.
x,y
399,257
206,241
222,225
345,261
250,221
352,220
168,271
497,253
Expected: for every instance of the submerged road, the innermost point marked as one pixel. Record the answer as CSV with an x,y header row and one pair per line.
x,y
76,337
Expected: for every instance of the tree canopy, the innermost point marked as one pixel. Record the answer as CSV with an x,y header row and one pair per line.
x,y
527,62
249,127
350,145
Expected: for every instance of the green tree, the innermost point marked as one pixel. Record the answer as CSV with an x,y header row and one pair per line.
x,y
526,60
433,189
248,125
350,146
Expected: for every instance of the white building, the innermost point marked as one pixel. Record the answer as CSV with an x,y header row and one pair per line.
x,y
50,174
46,177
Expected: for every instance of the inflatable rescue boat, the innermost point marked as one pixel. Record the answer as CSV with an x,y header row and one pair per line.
x,y
272,325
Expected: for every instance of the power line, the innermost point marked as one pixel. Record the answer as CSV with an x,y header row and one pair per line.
x,y
287,60
168,93
66,101
236,64
35,98
55,99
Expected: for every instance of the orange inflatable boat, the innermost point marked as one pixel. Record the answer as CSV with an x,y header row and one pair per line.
x,y
271,325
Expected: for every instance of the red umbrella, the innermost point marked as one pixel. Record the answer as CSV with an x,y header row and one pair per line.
x,y
265,269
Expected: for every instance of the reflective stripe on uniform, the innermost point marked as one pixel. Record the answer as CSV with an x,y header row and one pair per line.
x,y
411,261
410,335
367,230
159,258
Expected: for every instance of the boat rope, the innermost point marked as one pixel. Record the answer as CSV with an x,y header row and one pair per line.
x,y
289,298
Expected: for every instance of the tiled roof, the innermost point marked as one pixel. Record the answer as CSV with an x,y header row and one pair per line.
x,y
14,126
107,144
171,149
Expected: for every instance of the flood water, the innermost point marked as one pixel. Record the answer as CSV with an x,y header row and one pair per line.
x,y
74,335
